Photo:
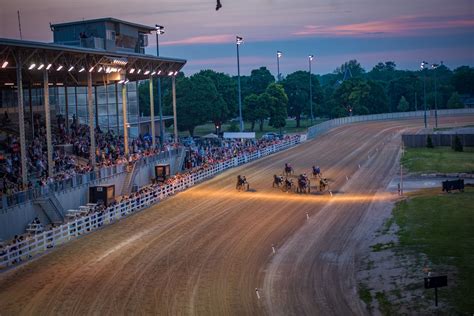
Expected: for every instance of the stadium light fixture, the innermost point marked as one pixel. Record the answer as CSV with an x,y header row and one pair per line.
x,y
279,54
176,73
170,73
9,84
40,66
238,41
49,66
70,68
146,72
5,64
59,68
424,64
160,29
132,70
82,69
32,66
139,71
121,81
310,59
126,81
101,68
91,69
153,73
159,72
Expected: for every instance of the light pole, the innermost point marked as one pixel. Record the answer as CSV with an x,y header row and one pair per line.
x,y
424,64
239,40
310,59
434,66
160,30
279,54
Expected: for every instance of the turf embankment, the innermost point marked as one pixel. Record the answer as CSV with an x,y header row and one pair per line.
x,y
439,159
442,227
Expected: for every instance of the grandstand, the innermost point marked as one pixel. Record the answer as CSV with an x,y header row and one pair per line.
x,y
70,118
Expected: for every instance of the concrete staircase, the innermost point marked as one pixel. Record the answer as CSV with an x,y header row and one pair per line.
x,y
51,208
129,180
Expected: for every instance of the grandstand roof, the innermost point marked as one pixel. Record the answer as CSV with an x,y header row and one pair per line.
x,y
105,66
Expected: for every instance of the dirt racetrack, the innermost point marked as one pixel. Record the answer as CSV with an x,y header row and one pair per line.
x,y
204,251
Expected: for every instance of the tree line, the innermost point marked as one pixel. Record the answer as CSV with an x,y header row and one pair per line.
x,y
210,96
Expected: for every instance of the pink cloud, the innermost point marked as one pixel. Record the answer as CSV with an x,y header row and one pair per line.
x,y
404,25
205,39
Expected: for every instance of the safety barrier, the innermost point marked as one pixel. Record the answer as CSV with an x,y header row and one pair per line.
x,y
75,181
321,128
39,243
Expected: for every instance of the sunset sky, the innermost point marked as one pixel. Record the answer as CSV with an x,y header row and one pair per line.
x,y
405,31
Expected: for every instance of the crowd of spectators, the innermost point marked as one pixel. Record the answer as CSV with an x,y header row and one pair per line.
x,y
110,151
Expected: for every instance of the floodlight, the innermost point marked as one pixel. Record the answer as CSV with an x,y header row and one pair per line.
x,y
32,66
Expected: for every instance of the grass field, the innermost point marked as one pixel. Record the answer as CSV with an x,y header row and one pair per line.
x,y
442,227
289,128
440,159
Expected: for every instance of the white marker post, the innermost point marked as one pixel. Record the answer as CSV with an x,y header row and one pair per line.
x,y
273,249
307,216
258,294
347,178
330,192
359,166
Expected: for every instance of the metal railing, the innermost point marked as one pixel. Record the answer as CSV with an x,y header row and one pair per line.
x,y
318,129
39,243
7,201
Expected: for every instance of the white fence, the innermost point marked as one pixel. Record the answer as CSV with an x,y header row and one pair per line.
x,y
36,244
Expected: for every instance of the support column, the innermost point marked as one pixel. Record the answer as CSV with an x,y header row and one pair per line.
x,y
124,113
90,107
66,101
152,113
117,109
31,113
47,117
175,120
21,121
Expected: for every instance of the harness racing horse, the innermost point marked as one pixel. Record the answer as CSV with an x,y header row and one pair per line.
x,y
288,170
303,185
277,181
287,185
323,184
242,184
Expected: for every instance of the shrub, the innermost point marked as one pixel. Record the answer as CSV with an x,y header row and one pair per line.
x,y
429,142
457,144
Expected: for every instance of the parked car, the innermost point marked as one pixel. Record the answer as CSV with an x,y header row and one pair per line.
x,y
271,136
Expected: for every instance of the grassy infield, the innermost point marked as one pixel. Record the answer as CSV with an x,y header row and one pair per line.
x,y
439,225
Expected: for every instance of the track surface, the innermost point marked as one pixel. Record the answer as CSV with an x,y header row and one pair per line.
x,y
205,251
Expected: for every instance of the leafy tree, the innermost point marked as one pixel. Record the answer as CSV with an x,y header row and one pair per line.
x,y
264,105
250,109
353,66
297,88
227,88
260,79
278,113
403,105
454,101
233,127
197,101
462,80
